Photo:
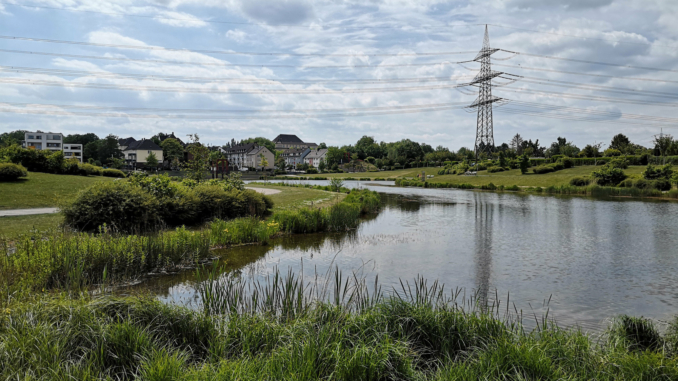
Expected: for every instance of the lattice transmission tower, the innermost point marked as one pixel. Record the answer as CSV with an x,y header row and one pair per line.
x,y
485,128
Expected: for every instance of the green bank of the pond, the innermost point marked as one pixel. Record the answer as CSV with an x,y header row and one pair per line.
x,y
590,190
397,339
75,260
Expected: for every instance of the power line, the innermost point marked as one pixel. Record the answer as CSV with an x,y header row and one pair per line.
x,y
588,97
23,81
219,64
610,89
309,26
227,52
154,77
586,74
591,62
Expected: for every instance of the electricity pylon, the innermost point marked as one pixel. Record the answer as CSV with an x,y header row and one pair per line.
x,y
484,128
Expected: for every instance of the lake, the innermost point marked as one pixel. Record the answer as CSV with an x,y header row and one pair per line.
x,y
594,259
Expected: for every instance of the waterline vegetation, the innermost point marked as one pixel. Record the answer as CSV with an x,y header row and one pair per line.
x,y
334,327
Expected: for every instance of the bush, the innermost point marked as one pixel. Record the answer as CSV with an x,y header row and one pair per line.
x,y
653,173
662,185
567,162
120,205
495,169
85,169
12,172
619,162
543,169
113,173
215,202
312,171
609,176
580,181
612,152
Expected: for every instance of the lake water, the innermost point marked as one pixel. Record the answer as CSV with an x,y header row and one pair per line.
x,y
594,259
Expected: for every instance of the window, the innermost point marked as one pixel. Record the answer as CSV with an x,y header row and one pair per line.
x,y
76,153
68,153
31,136
38,136
54,145
55,137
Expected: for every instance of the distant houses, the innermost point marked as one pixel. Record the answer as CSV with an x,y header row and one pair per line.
x,y
249,156
283,142
315,157
52,141
295,156
136,152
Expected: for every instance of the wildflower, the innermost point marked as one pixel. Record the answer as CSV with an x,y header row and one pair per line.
x,y
226,230
8,311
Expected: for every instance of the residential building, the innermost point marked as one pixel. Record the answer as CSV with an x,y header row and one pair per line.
x,y
51,141
283,142
237,155
295,156
315,157
73,151
124,143
137,152
253,158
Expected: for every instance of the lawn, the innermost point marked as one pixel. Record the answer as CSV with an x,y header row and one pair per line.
x,y
514,177
13,226
43,190
291,198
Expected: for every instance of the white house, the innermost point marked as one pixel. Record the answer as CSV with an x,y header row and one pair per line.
x,y
237,155
138,151
315,157
51,141
295,156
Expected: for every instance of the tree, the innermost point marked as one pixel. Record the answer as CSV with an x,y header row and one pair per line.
x,y
524,164
620,142
517,144
199,162
663,143
261,141
322,146
280,163
321,165
172,149
502,159
108,148
152,160
83,139
91,150
10,138
263,162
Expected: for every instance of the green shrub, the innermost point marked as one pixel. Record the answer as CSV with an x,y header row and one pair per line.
x,y
661,184
512,188
109,172
120,205
215,202
580,181
628,183
642,184
12,172
619,162
637,333
548,168
612,152
85,169
567,162
653,173
312,171
494,169
608,176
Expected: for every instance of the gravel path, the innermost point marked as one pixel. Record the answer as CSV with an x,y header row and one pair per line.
x,y
27,212
265,191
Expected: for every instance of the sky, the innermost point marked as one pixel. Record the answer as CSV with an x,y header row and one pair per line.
x,y
332,71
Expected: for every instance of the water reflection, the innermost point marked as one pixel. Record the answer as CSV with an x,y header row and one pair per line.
x,y
596,258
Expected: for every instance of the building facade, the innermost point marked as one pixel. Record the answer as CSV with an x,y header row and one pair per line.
x,y
315,157
283,142
253,158
51,141
295,156
237,155
137,152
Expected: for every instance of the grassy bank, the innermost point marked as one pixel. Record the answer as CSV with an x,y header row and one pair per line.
x,y
16,225
283,329
291,198
43,190
66,260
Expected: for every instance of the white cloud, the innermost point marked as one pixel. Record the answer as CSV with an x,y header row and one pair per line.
x,y
236,35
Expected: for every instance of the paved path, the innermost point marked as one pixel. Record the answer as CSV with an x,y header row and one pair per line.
x,y
27,212
265,191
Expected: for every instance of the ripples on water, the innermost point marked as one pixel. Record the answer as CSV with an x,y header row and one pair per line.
x,y
594,258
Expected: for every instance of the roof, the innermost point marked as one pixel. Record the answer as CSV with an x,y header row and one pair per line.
x,y
257,150
171,136
126,141
311,144
317,153
287,139
143,144
240,148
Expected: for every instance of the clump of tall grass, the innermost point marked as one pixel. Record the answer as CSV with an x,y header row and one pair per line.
x,y
333,327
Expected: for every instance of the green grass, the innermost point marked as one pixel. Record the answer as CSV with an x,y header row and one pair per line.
x,y
291,198
514,177
15,225
284,328
43,190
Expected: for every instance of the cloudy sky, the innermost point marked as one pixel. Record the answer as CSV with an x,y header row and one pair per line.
x,y
332,71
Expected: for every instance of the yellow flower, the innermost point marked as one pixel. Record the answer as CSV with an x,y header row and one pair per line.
x,y
8,311
226,230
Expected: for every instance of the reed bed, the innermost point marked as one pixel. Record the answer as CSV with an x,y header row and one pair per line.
x,y
74,261
334,327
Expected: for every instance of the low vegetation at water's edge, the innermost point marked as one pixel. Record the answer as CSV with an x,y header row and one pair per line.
x,y
342,329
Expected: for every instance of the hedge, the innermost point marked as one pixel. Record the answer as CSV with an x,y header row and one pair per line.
x,y
12,172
